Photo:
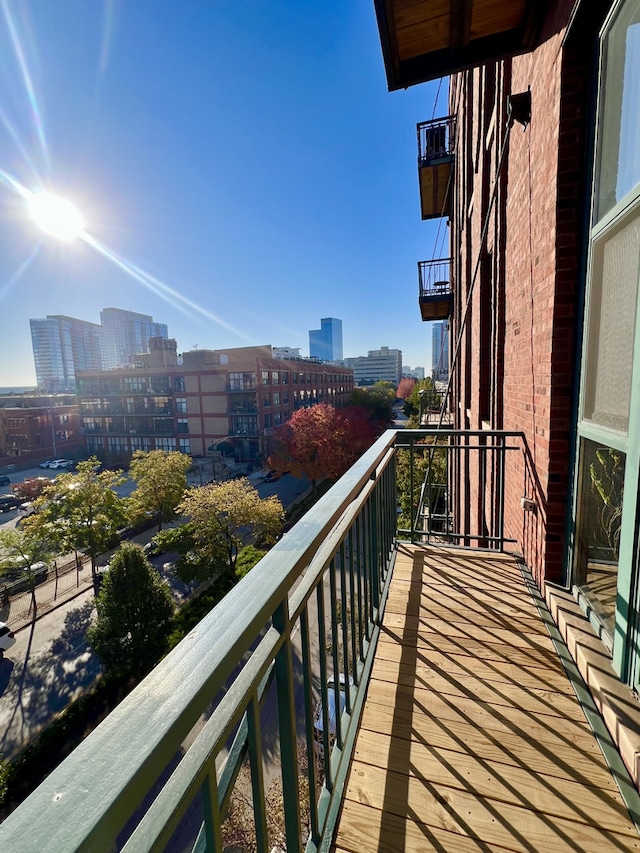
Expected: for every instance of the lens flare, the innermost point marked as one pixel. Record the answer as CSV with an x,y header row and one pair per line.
x,y
56,216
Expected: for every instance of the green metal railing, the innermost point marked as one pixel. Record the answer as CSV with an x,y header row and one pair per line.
x,y
455,484
243,703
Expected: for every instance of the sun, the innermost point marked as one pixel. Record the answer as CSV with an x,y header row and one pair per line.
x,y
56,216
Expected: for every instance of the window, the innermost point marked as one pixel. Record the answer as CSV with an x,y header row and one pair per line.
x,y
275,378
284,378
165,443
185,445
266,400
183,425
294,377
130,404
605,563
95,444
285,398
244,425
140,443
245,381
178,383
181,405
276,398
267,421
137,384
265,377
116,444
277,418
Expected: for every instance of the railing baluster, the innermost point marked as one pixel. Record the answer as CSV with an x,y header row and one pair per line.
x,y
355,606
346,621
287,727
308,718
335,652
324,692
257,776
211,809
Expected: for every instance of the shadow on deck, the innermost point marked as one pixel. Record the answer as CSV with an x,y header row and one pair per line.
x,y
472,738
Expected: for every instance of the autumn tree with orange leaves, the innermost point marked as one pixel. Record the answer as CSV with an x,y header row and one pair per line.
x,y
321,441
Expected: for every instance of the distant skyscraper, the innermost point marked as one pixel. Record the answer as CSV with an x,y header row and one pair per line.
x,y
440,351
126,334
62,346
325,343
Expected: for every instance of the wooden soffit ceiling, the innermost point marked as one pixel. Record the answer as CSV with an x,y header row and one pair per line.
x,y
425,39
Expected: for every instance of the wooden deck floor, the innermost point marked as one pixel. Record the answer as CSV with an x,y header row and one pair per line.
x,y
472,738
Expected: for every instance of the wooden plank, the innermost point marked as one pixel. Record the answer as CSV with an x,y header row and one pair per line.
x,y
427,596
483,818
464,615
497,718
536,641
507,782
490,650
414,680
367,829
584,765
495,668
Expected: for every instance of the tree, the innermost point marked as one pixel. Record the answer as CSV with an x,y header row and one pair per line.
x,y
24,549
31,488
429,464
82,510
430,397
378,400
224,517
161,481
134,615
405,387
320,441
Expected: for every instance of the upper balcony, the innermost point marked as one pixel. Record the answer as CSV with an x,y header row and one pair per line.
x,y
436,295
423,40
409,697
436,140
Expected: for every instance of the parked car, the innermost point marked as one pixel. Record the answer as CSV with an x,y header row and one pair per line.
x,y
7,638
318,717
5,481
45,464
271,476
60,463
9,502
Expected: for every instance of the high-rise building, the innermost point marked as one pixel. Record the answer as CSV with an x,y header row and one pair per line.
x,y
62,346
126,334
325,343
379,365
440,351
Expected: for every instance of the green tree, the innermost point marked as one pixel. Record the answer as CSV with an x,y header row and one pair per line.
x,y
223,518
430,397
23,549
134,615
161,481
378,400
82,510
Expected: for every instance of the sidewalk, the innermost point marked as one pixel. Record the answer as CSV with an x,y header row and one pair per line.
x,y
69,583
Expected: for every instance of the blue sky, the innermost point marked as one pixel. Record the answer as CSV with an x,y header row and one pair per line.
x,y
245,155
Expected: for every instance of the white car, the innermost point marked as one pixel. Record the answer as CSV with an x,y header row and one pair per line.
x,y
60,463
318,716
7,639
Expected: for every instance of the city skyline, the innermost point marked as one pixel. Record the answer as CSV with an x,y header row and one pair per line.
x,y
236,206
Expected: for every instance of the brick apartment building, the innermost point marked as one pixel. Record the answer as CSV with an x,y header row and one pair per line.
x,y
537,170
36,428
193,402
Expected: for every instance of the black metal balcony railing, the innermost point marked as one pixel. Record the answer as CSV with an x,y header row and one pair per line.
x,y
292,641
436,294
436,140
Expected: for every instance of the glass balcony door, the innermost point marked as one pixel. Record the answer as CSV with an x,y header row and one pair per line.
x,y
604,559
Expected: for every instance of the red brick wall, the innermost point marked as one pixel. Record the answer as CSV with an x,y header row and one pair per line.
x,y
530,275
